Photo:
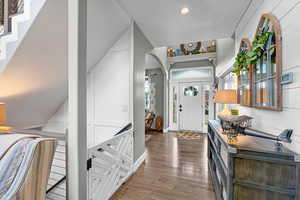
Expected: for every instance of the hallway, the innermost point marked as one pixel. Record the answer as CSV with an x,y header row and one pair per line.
x,y
175,169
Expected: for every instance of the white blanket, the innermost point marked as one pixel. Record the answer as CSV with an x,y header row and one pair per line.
x,y
11,163
7,140
16,151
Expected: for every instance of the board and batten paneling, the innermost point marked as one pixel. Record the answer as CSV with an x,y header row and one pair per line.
x,y
288,14
107,95
108,108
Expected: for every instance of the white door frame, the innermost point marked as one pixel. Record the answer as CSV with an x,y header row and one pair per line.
x,y
175,126
173,93
204,81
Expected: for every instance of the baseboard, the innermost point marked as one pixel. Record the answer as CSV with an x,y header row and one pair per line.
x,y
165,130
139,162
173,130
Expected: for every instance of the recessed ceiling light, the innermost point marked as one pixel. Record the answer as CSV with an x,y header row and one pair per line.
x,y
184,11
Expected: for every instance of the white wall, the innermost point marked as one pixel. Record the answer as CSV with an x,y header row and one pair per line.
x,y
34,83
288,13
106,22
225,53
152,62
161,54
108,92
141,46
115,92
58,123
108,95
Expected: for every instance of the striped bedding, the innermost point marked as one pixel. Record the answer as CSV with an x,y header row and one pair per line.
x,y
14,163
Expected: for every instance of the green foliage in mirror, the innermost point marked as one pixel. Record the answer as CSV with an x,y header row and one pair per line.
x,y
258,47
244,59
240,63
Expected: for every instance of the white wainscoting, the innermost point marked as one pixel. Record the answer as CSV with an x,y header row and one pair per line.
x,y
288,13
108,106
107,96
108,93
111,165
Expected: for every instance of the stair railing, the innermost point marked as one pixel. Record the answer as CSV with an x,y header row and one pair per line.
x,y
8,9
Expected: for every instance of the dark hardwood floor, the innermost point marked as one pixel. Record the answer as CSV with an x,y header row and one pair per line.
x,y
174,169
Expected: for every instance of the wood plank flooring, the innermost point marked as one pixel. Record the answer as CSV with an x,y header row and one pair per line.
x,y
175,169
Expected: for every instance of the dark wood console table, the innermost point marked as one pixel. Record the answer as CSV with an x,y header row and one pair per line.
x,y
251,168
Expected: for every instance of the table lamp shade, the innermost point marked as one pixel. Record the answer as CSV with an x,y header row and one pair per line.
x,y
226,97
2,113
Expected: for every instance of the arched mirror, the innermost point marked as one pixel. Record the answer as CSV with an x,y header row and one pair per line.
x,y
244,86
267,63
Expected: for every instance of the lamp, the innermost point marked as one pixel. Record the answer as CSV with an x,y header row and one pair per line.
x,y
2,113
226,97
3,117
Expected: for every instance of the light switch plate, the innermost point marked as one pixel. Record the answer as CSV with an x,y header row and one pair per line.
x,y
287,78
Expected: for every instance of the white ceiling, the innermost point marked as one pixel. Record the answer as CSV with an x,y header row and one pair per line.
x,y
161,22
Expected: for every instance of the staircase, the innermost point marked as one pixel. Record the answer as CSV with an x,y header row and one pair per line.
x,y
16,17
9,8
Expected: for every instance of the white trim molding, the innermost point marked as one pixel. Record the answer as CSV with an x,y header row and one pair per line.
x,y
139,162
165,130
77,102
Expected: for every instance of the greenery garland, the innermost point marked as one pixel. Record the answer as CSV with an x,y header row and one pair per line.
x,y
243,59
240,63
258,47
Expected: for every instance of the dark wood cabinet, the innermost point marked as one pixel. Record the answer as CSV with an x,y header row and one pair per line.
x,y
251,168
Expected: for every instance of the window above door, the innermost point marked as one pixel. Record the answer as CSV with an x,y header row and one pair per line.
x,y
192,73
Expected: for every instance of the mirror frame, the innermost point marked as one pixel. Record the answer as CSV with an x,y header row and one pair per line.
x,y
278,39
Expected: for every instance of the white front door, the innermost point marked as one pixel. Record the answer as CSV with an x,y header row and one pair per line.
x,y
190,106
